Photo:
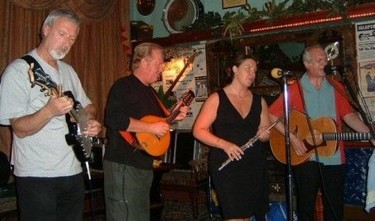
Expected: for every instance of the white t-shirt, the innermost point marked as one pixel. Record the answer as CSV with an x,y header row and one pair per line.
x,y
45,153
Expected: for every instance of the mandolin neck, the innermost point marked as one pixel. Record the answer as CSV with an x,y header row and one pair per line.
x,y
174,114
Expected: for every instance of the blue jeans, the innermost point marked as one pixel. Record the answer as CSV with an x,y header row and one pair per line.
x,y
58,198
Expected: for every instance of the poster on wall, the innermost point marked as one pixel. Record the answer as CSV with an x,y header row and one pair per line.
x,y
185,70
365,38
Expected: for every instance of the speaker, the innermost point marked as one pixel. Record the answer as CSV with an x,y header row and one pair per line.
x,y
184,149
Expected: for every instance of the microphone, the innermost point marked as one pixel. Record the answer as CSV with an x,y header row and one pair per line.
x,y
333,69
278,73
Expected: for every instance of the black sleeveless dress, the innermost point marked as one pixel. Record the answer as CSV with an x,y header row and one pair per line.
x,y
241,186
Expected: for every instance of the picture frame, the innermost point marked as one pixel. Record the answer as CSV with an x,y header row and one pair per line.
x,y
233,3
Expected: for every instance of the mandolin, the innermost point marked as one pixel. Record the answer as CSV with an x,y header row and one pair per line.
x,y
76,119
151,143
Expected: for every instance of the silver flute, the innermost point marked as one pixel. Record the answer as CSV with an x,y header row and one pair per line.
x,y
250,143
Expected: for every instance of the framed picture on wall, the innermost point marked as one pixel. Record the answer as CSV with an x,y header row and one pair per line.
x,y
233,3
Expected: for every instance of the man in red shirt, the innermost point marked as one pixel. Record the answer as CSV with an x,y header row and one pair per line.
x,y
316,95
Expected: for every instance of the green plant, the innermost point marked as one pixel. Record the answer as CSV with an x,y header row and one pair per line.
x,y
233,24
209,20
275,11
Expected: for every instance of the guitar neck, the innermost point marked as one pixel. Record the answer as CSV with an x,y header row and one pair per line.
x,y
174,114
190,61
169,91
347,136
184,101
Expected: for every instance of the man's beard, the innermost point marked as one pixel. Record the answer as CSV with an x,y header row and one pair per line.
x,y
57,55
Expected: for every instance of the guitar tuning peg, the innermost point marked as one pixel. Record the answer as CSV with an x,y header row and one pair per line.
x,y
47,93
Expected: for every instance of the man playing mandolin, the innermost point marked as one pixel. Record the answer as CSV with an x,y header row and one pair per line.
x,y
49,178
316,95
128,170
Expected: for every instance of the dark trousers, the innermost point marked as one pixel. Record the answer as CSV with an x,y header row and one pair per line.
x,y
330,181
127,192
50,199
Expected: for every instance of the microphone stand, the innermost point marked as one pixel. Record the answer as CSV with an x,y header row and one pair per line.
x,y
287,148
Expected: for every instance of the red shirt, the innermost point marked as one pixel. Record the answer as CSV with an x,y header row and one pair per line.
x,y
343,107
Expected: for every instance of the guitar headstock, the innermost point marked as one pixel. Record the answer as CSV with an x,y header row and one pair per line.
x,y
193,57
188,97
38,77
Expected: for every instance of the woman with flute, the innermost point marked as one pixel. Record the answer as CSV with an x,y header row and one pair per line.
x,y
228,119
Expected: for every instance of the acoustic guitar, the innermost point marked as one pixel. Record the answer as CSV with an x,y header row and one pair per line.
x,y
324,131
151,143
188,62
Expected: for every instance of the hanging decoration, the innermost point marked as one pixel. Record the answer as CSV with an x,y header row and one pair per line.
x,y
145,7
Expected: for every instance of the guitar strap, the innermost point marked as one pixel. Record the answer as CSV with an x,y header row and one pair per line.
x,y
302,97
308,119
38,69
165,111
31,60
